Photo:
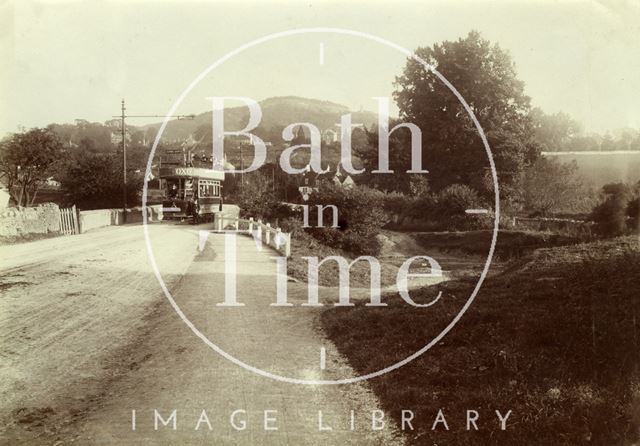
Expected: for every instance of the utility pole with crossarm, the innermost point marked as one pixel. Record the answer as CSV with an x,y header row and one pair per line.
x,y
123,128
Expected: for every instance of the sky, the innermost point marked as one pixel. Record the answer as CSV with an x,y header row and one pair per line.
x,y
64,60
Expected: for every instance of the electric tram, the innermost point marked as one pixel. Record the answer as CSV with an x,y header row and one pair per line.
x,y
190,191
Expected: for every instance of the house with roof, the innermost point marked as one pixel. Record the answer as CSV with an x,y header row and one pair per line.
x,y
310,181
329,136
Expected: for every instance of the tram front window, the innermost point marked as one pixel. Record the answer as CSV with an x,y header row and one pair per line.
x,y
173,189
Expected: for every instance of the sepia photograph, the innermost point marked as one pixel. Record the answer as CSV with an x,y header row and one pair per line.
x,y
280,222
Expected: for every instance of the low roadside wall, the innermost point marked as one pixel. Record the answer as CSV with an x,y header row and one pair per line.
x,y
45,219
231,210
99,218
228,220
42,219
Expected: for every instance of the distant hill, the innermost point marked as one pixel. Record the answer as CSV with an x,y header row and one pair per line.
x,y
195,134
277,112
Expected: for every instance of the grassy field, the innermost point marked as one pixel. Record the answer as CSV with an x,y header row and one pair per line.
x,y
397,247
603,168
511,244
305,245
555,338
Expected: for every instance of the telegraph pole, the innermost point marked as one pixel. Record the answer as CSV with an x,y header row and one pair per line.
x,y
241,171
124,150
124,166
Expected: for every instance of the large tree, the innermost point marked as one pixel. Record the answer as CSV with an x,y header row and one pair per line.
x,y
255,195
453,152
27,159
554,132
552,187
399,162
94,181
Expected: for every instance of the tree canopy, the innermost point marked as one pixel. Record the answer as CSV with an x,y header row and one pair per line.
x,y
27,159
554,187
453,152
94,181
553,132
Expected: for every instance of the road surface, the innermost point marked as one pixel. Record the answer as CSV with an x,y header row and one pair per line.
x,y
88,337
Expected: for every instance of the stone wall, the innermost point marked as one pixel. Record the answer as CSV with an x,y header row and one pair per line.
x,y
99,218
17,222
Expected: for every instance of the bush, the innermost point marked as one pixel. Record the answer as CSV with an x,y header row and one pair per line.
x,y
451,204
94,181
633,211
361,215
284,211
255,197
610,216
291,225
396,203
551,187
436,212
422,207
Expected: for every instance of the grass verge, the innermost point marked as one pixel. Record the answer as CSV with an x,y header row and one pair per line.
x,y
305,245
555,339
511,244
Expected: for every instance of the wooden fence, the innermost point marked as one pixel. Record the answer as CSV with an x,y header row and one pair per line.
x,y
69,221
566,225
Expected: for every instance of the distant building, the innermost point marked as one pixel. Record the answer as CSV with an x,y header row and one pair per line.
x,y
307,183
52,183
300,137
340,177
310,181
329,136
348,182
116,137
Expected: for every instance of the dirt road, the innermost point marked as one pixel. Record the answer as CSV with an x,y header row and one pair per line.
x,y
88,337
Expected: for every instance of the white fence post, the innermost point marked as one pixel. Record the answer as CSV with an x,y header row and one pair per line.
x,y
63,221
281,240
63,226
287,246
74,217
278,239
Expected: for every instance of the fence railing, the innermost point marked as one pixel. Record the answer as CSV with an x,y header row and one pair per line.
x,y
69,221
551,219
268,235
565,225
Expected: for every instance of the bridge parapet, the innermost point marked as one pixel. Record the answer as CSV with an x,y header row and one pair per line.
x,y
264,232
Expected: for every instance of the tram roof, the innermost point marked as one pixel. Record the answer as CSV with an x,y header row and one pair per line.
x,y
191,172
